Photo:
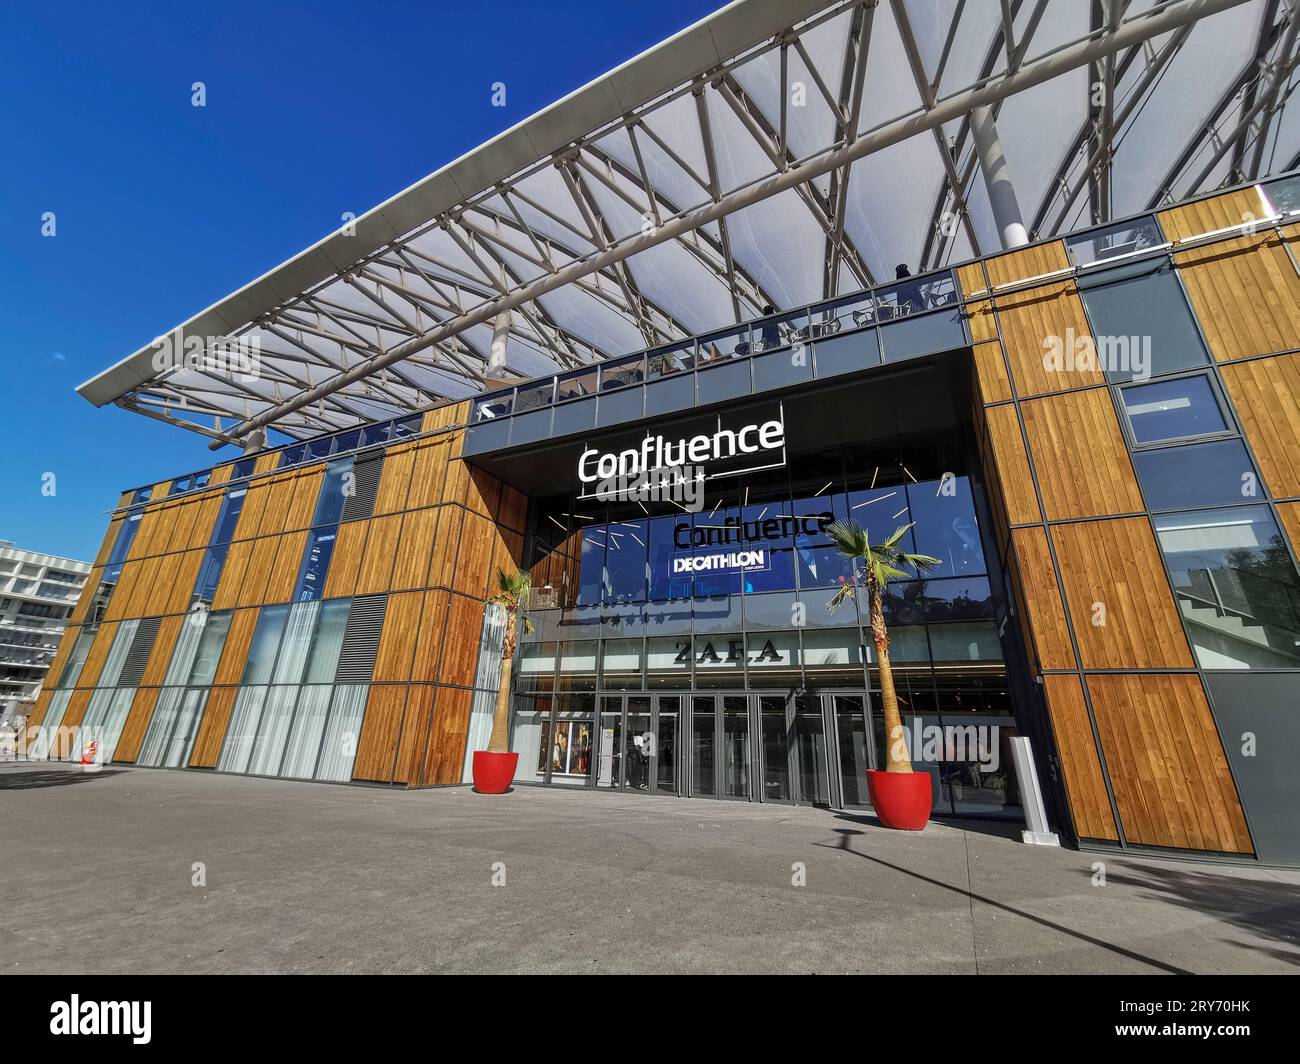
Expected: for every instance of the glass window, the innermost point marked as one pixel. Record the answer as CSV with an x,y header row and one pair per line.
x,y
781,330
622,664
77,658
273,732
238,746
720,659
298,631
625,561
532,396
494,406
665,544
266,640
944,512
305,733
573,385
316,563
327,642
833,657
1200,474
1123,239
668,661
537,667
1142,326
208,654
721,346
578,665
843,315
122,545
958,599
954,643
338,748
334,490
1236,585
292,456
773,659
668,361
1171,410
205,587
622,373
243,468
223,531
1284,194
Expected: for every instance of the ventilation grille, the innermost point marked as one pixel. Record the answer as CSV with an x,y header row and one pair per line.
x,y
361,640
365,485
138,656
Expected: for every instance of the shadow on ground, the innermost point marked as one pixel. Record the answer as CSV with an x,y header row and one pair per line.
x,y
845,845
32,779
1270,909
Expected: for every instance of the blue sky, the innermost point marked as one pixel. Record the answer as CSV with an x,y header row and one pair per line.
x,y
161,208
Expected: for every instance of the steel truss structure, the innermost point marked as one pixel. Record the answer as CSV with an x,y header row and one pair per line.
x,y
777,153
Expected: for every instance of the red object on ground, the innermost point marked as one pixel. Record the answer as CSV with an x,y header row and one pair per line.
x,y
901,799
88,754
493,773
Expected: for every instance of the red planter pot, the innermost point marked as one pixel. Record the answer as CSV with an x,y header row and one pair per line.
x,y
493,773
901,799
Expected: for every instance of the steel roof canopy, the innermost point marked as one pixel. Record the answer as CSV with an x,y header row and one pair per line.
x,y
778,151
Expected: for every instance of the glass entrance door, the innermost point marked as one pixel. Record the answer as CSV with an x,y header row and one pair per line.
x,y
626,743
704,733
667,772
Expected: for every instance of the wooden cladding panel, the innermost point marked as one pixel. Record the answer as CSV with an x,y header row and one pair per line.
x,y
232,575
64,651
184,574
507,554
1024,263
442,565
234,655
212,728
119,603
991,372
1039,323
445,760
260,562
110,537
99,648
1047,626
482,491
460,649
397,641
63,741
428,646
204,520
512,511
221,474
395,479
306,492
253,510
39,708
981,321
266,462
155,671
82,607
381,548
1118,594
1085,787
1212,213
1013,465
379,733
429,473
277,505
474,559
1167,766
971,280
284,573
1078,450
1266,395
456,488
414,549
1246,294
345,563
415,735
1289,512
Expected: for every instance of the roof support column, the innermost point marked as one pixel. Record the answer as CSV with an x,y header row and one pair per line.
x,y
500,337
997,179
255,441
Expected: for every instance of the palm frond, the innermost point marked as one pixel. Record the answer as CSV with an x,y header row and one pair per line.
x,y
845,592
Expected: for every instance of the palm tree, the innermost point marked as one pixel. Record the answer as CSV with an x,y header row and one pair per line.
x,y
512,595
881,562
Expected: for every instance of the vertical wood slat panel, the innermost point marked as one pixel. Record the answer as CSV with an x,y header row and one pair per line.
x,y
156,583
1085,787
442,565
1212,213
63,742
137,723
474,556
251,513
1167,766
1031,318
232,575
482,491
345,563
212,728
461,646
1116,565
991,372
205,519
970,280
445,759
377,747
185,574
306,493
1046,626
87,596
1289,512
39,708
428,647
381,549
234,655
64,651
414,549
284,570
1024,263
260,563
110,538
163,647
1266,395
398,638
395,479
119,603
98,654
415,735
266,462
429,474
275,504
1079,453
1013,465
512,510
1246,294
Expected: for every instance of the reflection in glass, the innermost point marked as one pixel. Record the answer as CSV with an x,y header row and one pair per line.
x,y
1171,410
1200,474
702,746
666,751
735,745
776,764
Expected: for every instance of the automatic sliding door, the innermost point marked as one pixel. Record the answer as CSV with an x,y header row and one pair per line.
x,y
811,764
775,730
668,708
609,743
638,745
737,755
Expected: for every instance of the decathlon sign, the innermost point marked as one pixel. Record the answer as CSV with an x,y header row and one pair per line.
x,y
691,459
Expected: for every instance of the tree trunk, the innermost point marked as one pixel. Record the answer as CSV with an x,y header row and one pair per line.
x,y
499,743
896,759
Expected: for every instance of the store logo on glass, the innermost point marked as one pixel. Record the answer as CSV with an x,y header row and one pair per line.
x,y
667,469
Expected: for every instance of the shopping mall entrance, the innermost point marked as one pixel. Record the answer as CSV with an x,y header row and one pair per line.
x,y
800,749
